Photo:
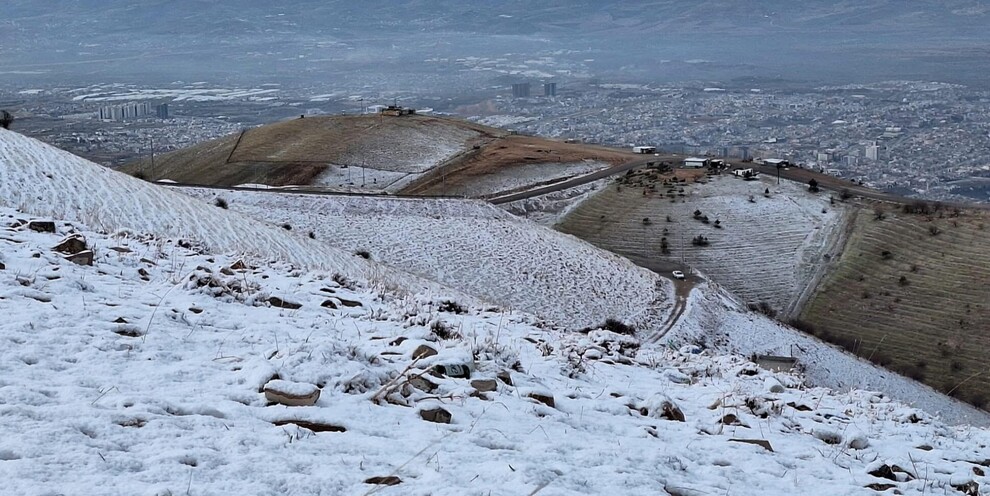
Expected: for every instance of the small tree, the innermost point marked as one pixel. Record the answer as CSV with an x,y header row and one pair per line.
x,y
6,119
813,186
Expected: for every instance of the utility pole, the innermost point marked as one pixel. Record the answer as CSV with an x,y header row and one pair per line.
x,y
778,174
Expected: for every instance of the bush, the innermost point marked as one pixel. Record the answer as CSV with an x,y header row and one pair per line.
x,y
363,254
903,281
956,366
287,227
647,221
444,330
912,372
451,306
886,255
845,194
6,119
220,202
141,175
933,230
813,186
312,235
618,327
764,308
699,240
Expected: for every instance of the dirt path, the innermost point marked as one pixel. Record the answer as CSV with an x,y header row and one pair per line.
x,y
682,289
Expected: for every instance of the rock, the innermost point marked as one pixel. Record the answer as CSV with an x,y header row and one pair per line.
x,y
72,244
799,407
388,480
145,275
880,487
505,377
978,471
676,376
238,265
349,303
397,341
545,398
827,436
84,257
437,415
484,385
120,249
291,393
970,488
277,302
328,304
759,442
423,351
857,440
422,384
42,226
891,472
772,385
2,266
670,411
731,419
120,320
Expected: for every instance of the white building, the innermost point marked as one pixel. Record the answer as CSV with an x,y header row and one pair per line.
x,y
696,163
644,149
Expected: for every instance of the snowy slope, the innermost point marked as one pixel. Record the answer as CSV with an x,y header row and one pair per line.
x,y
473,247
144,377
717,318
46,181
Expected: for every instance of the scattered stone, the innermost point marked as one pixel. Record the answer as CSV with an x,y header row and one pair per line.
x,y
772,385
827,436
313,426
349,303
857,441
2,266
277,302
42,226
120,249
542,398
437,415
72,244
423,351
291,393
388,480
759,442
329,304
226,271
196,310
238,265
891,472
422,384
731,419
484,385
670,411
120,320
149,262
128,330
397,341
880,487
84,257
144,274
799,407
978,471
505,377
971,488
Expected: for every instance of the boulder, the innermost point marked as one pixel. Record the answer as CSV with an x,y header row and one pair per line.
x,y
505,377
42,226
291,393
72,244
84,257
545,398
277,302
423,351
437,415
484,385
457,371
388,480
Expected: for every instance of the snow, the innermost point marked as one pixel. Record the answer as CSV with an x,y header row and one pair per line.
x,y
473,247
143,373
519,177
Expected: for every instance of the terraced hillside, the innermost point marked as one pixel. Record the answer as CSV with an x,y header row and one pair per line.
x,y
913,292
764,248
381,153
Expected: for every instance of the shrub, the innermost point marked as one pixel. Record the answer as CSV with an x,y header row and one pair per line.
x,y
979,400
879,214
647,221
813,186
444,330
287,227
912,372
845,194
956,366
451,306
664,246
699,240
618,327
220,202
141,175
764,308
933,230
363,254
312,235
903,281
886,255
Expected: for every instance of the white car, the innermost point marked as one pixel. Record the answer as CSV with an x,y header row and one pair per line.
x,y
678,274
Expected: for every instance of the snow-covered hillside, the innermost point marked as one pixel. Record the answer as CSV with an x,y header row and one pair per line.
x,y
159,370
715,317
46,181
473,247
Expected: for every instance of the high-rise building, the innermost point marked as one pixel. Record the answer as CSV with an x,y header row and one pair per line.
x,y
549,89
162,111
520,90
873,152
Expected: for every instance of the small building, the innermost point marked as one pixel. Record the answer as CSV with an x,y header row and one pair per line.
x,y
644,149
776,363
745,173
776,162
396,111
696,163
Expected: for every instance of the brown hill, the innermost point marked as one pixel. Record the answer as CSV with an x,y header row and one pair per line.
x,y
413,154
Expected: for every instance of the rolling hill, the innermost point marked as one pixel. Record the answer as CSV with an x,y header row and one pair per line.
x,y
369,153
